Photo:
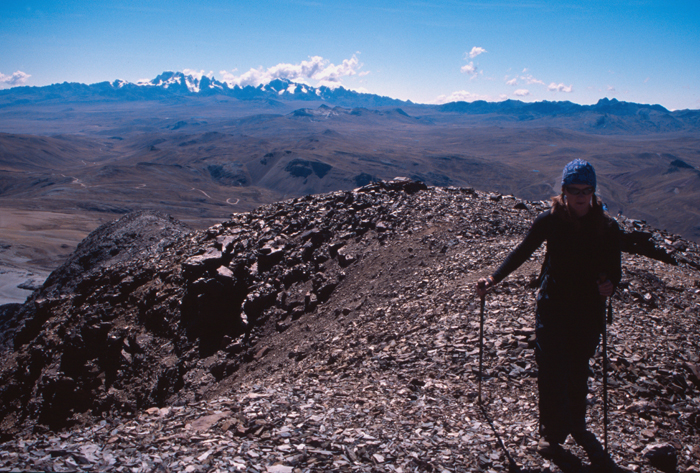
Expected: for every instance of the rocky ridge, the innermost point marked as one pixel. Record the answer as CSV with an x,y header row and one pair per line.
x,y
331,332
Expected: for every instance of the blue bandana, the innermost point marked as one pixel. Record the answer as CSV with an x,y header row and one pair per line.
x,y
578,171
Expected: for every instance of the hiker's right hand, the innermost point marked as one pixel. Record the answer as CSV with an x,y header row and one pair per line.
x,y
483,286
606,288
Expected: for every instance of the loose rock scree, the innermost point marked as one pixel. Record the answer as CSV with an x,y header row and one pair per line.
x,y
337,331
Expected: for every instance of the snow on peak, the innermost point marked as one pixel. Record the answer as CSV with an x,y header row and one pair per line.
x,y
194,82
195,79
188,79
167,79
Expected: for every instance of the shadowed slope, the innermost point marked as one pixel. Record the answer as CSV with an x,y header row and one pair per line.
x,y
348,310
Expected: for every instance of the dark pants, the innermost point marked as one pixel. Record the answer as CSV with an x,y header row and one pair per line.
x,y
565,343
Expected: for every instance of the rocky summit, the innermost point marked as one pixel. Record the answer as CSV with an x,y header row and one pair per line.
x,y
335,332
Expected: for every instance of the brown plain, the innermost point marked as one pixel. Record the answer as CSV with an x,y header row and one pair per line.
x,y
64,171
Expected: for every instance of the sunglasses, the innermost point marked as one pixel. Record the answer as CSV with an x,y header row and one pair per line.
x,y
584,191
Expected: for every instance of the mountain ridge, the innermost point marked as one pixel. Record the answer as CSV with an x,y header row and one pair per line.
x,y
364,297
172,84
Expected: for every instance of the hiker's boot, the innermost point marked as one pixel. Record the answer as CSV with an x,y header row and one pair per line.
x,y
600,460
547,449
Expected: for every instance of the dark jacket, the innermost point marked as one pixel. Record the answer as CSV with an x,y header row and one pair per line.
x,y
579,253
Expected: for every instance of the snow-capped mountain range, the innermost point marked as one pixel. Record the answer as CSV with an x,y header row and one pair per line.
x,y
201,84
607,116
173,84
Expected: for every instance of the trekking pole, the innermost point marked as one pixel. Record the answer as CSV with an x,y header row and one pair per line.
x,y
512,465
482,285
607,320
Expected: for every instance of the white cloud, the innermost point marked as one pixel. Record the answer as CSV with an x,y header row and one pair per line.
x,y
460,96
611,88
328,83
521,92
475,52
333,73
469,69
17,78
513,81
554,87
316,68
360,90
531,80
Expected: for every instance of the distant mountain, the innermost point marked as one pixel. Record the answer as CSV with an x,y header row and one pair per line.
x,y
605,105
171,85
606,116
175,85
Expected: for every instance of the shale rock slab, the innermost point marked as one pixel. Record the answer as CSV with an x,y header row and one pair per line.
x,y
336,332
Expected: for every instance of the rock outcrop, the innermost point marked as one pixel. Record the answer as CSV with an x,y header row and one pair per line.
x,y
296,323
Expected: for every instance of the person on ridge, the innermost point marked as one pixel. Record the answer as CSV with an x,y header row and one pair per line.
x,y
580,270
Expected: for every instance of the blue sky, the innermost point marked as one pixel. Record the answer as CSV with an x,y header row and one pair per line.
x,y
425,51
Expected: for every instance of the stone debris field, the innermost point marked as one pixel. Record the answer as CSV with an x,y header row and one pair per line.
x,y
337,332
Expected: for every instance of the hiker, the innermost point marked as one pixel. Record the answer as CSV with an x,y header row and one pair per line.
x,y
580,270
